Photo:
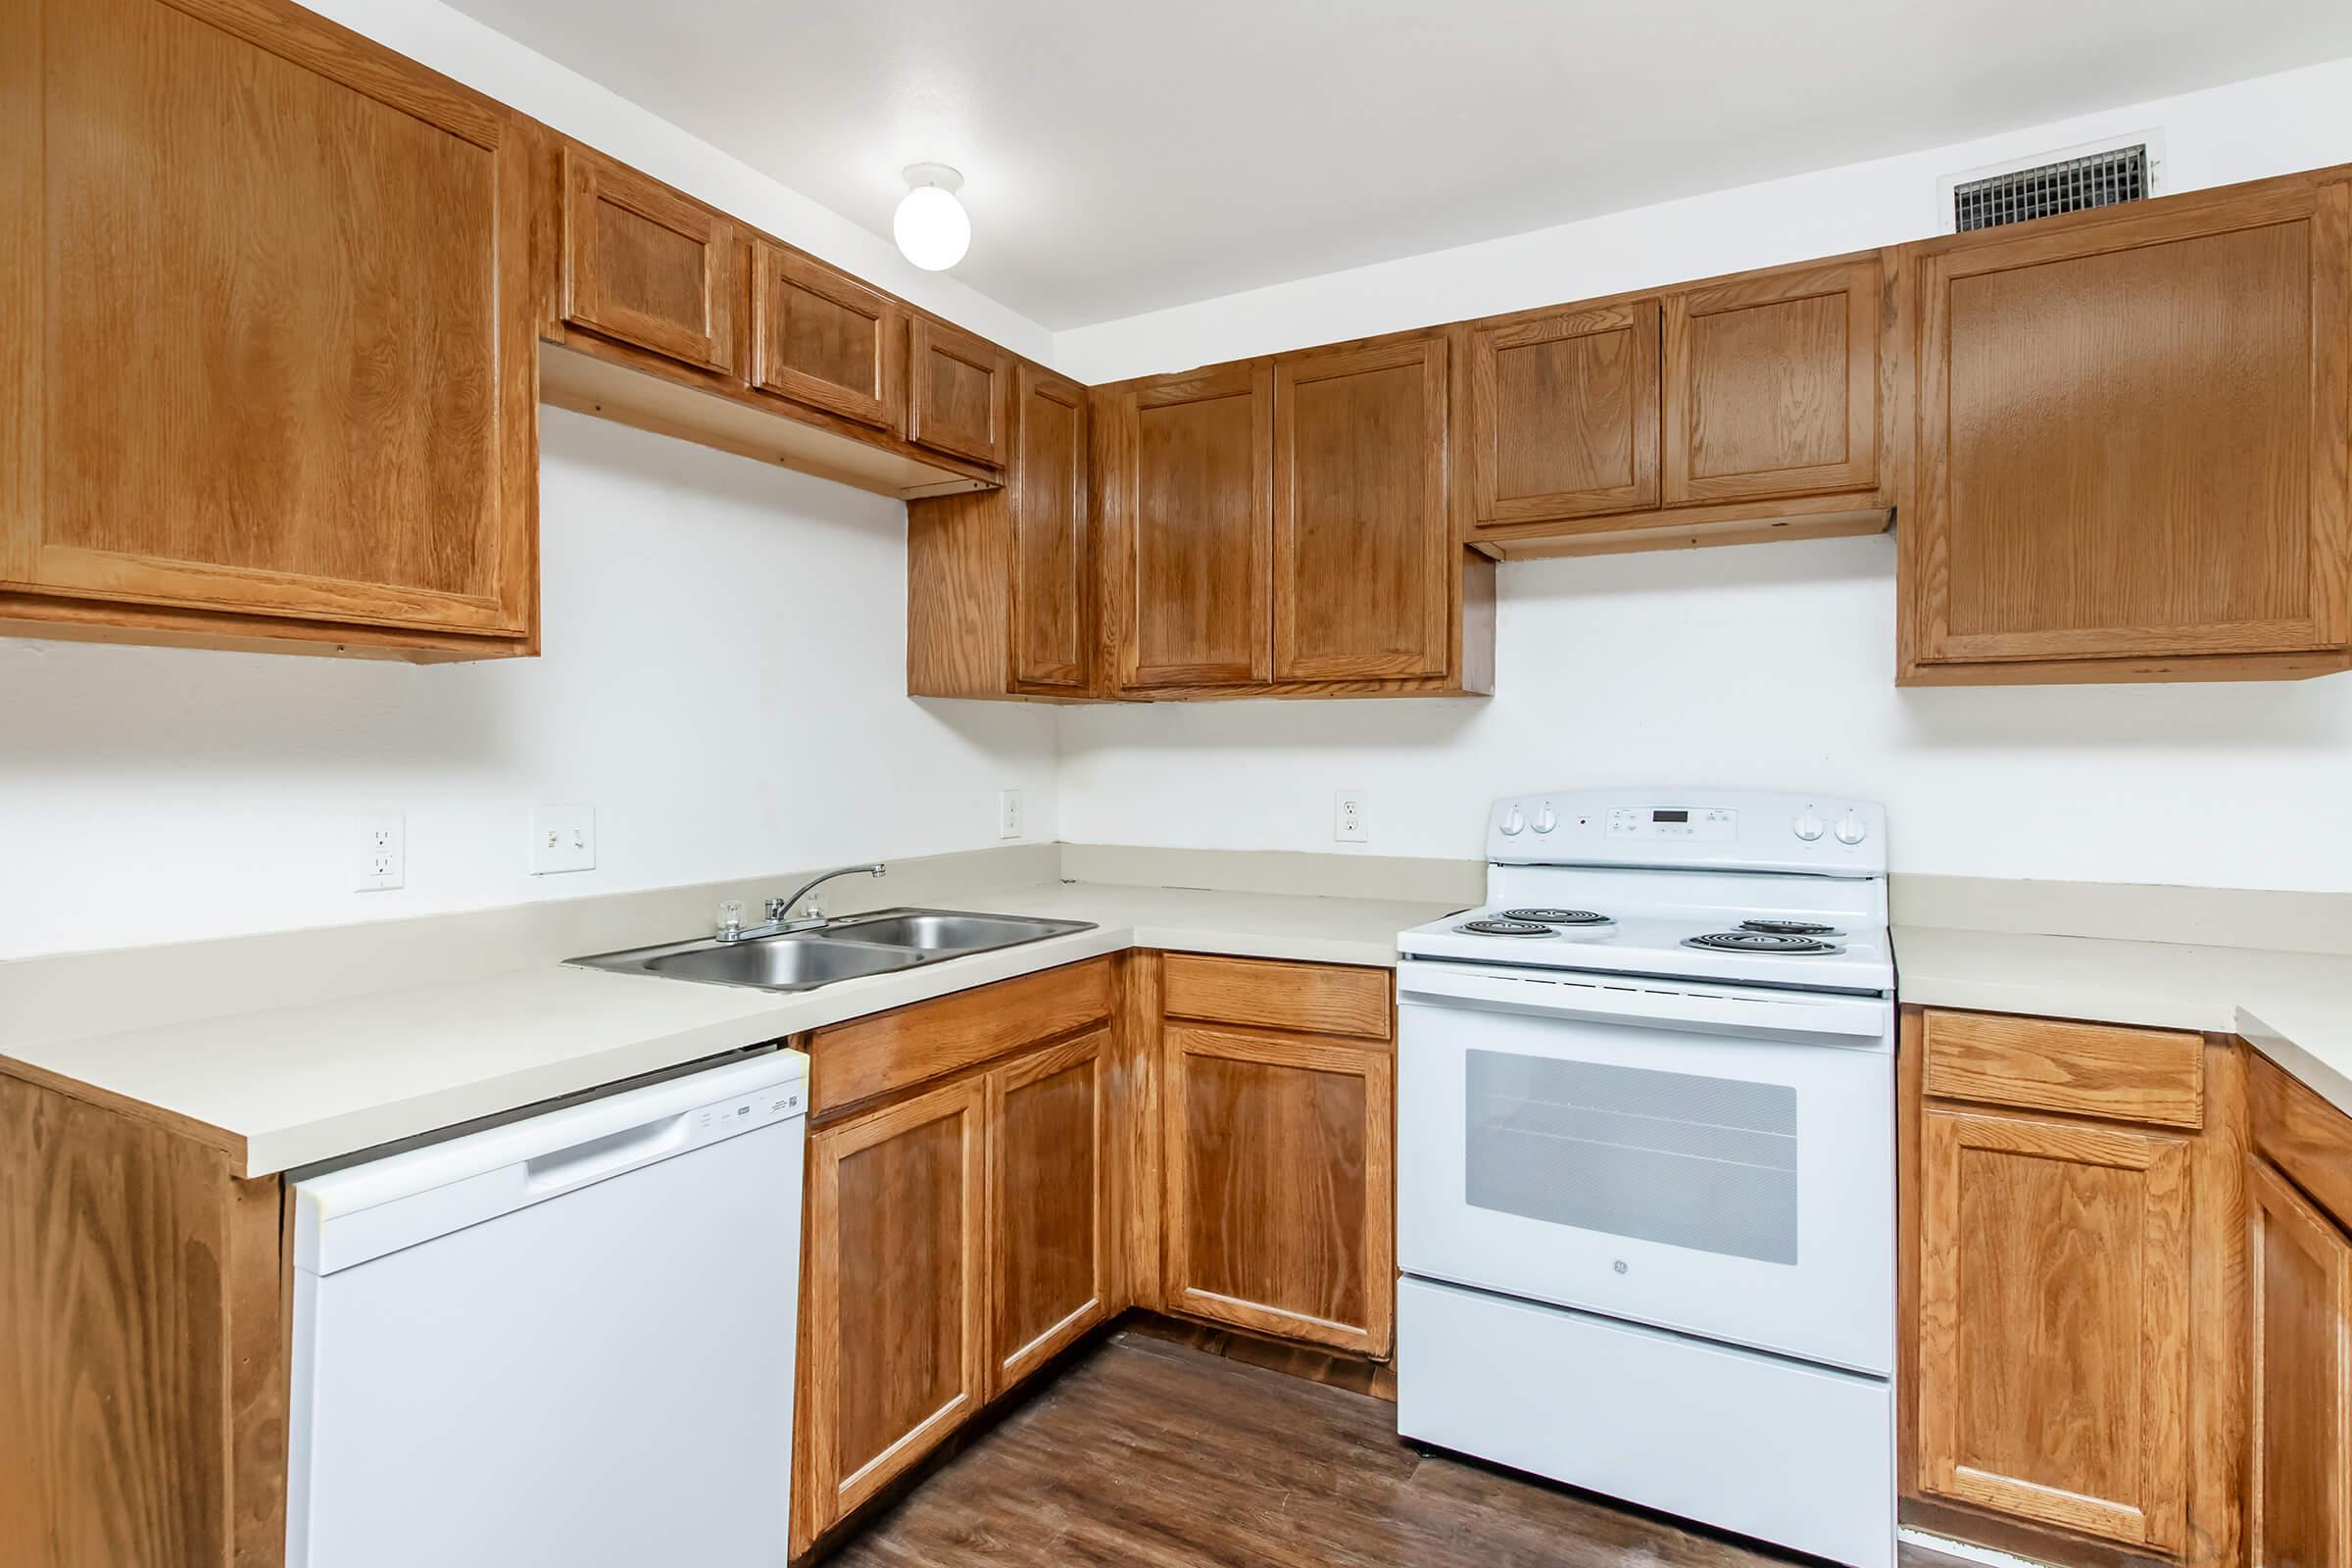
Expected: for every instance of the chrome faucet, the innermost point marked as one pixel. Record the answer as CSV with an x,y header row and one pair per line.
x,y
779,910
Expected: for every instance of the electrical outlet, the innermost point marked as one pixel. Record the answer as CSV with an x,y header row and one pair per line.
x,y
562,839
1349,814
382,850
1008,813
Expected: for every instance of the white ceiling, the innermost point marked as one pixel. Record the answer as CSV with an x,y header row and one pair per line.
x,y
1121,157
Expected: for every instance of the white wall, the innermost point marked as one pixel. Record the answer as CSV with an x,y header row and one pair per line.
x,y
2270,125
1768,665
491,63
723,681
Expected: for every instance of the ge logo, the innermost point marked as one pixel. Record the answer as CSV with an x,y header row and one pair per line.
x,y
1619,1265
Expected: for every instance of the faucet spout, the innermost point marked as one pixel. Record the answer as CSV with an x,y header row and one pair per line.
x,y
779,910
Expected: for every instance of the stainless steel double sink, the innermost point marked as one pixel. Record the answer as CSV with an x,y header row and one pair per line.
x,y
881,942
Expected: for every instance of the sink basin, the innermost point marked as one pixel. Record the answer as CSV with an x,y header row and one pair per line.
x,y
781,964
881,942
945,930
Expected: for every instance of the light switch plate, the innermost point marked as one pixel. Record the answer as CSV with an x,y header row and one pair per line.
x,y
382,850
562,839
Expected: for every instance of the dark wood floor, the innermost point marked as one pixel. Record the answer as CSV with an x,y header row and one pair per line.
x,y
1157,1456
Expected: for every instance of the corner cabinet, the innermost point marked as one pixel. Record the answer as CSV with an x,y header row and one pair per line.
x,y
2135,444
1001,584
267,295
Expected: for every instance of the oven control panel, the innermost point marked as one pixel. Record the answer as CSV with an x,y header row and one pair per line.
x,y
1732,830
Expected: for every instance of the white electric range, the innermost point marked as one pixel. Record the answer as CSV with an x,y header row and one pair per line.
x,y
1645,1161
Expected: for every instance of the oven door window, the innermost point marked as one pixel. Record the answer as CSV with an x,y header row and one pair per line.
x,y
1704,1162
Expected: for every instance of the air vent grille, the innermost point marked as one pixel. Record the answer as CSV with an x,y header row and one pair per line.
x,y
2101,179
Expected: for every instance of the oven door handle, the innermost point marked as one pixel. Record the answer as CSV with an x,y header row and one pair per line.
x,y
1859,1022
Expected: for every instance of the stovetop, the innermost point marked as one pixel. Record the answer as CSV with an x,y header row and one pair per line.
x,y
1856,958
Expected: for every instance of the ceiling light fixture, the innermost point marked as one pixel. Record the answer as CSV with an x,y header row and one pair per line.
x,y
930,225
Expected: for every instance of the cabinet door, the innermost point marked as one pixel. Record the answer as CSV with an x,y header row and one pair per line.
x,y
1772,386
2053,1350
1281,1202
2299,1505
271,343
1361,535
822,338
644,264
1045,1204
1052,553
2135,432
961,394
1564,414
893,1354
1193,499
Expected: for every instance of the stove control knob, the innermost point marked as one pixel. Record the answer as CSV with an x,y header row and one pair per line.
x,y
1514,821
1546,819
1850,829
1808,827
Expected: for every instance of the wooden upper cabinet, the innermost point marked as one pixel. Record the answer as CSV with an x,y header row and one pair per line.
x,y
644,264
267,292
1362,538
1771,385
1280,1203
1191,497
1053,586
960,392
2299,1490
895,1292
2054,1367
1564,414
1046,1204
2135,427
821,338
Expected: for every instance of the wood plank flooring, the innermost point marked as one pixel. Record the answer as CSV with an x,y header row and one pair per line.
x,y
1147,1453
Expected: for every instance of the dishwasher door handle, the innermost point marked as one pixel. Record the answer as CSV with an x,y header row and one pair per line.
x,y
603,1156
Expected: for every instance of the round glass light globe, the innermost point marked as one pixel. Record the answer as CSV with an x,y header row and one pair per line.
x,y
932,229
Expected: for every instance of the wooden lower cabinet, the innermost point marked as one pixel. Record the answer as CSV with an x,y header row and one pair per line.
x,y
2299,1492
1046,1208
1278,1210
2053,1299
893,1295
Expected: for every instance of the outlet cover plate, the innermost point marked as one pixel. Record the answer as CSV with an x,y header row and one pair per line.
x,y
381,848
1350,817
1008,813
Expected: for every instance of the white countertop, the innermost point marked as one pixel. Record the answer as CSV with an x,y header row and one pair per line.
x,y
2294,1008
294,1086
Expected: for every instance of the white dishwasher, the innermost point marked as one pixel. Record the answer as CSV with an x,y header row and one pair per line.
x,y
566,1340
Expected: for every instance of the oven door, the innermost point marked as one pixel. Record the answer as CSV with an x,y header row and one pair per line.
x,y
1718,1160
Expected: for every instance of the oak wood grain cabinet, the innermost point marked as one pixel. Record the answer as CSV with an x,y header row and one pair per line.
x,y
2135,437
2073,1270
225,420
143,1365
1278,1147
644,264
1747,407
1001,584
960,392
822,338
1189,503
895,1291
1046,1161
1362,537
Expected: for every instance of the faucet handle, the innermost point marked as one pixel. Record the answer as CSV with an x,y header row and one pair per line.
x,y
730,917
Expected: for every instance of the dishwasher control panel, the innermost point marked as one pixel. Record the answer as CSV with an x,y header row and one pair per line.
x,y
750,1110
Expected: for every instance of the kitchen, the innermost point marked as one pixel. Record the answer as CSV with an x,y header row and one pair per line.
x,y
706,615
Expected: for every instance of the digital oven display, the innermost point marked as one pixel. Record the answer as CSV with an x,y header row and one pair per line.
x,y
1670,816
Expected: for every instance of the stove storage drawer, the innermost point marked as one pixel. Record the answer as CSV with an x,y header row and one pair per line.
x,y
2152,1076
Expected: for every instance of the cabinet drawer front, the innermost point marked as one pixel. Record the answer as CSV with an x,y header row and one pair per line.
x,y
1315,998
855,1062
2303,1135
2085,1069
